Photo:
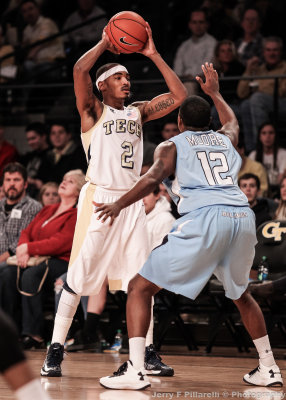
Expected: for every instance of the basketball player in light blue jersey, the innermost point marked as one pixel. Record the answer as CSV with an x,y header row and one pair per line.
x,y
215,234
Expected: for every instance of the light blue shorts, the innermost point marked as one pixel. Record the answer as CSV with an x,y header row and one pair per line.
x,y
217,240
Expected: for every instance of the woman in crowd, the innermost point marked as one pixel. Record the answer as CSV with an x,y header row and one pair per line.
x,y
49,234
270,155
49,194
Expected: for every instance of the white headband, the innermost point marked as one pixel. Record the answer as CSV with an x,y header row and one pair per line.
x,y
109,72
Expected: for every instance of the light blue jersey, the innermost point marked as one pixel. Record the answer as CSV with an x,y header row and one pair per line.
x,y
216,232
206,172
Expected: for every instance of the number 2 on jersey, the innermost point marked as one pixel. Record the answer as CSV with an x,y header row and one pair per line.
x,y
128,153
213,174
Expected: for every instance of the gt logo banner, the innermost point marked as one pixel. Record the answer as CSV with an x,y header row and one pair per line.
x,y
273,230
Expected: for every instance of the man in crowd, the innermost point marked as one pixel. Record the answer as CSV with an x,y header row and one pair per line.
x,y
250,185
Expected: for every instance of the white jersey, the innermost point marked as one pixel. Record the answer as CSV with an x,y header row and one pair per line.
x,y
114,148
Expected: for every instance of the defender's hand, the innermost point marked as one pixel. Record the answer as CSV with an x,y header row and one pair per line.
x,y
149,49
211,84
111,210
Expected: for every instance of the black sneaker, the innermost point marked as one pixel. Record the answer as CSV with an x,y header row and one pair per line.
x,y
153,364
52,364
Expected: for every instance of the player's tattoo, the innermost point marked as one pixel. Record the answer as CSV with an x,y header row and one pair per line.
x,y
161,105
90,90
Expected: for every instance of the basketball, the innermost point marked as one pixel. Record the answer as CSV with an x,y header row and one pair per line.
x,y
127,31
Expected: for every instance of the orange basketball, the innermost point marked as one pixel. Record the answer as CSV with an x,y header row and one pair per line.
x,y
127,31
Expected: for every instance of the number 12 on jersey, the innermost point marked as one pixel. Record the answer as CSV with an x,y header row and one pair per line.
x,y
213,174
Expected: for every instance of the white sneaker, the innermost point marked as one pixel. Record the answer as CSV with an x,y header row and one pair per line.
x,y
126,377
264,376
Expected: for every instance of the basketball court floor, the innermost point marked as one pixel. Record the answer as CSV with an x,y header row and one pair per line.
x,y
196,376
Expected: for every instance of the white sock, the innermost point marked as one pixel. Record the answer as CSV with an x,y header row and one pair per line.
x,y
149,336
61,328
137,351
64,317
264,350
32,390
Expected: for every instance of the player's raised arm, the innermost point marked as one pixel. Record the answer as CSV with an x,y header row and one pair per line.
x,y
164,166
89,107
167,102
227,117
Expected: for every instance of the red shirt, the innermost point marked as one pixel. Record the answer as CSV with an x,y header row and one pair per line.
x,y
54,238
8,153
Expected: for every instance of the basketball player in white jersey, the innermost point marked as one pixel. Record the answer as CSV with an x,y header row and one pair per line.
x,y
215,234
113,143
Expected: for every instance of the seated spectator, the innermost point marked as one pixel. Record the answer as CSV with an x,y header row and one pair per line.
x,y
195,51
50,233
13,23
250,44
281,210
8,152
16,209
64,155
8,69
37,138
170,129
164,192
250,185
42,57
222,11
49,194
82,39
259,101
159,217
227,65
253,167
270,155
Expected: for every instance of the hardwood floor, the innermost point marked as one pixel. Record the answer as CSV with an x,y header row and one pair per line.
x,y
195,377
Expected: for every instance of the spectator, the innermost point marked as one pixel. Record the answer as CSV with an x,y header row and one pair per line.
x,y
193,52
159,217
250,44
227,65
42,57
16,209
8,69
270,155
49,194
37,138
281,210
250,185
8,152
64,155
164,192
170,129
82,39
253,167
222,11
50,233
259,103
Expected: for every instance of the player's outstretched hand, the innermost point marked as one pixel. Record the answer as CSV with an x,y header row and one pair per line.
x,y
211,84
105,211
149,49
108,44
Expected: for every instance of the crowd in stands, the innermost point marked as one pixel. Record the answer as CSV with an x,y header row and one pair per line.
x,y
40,188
